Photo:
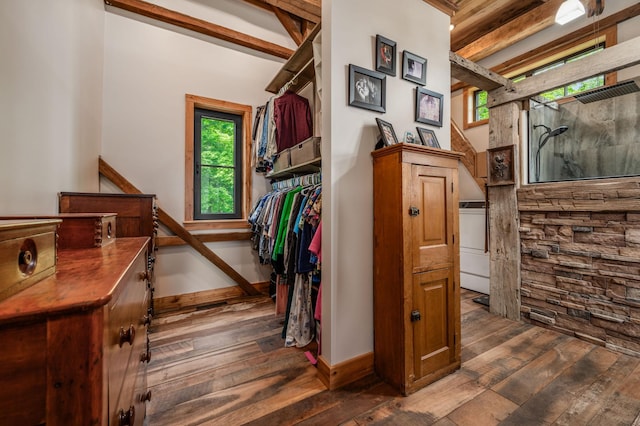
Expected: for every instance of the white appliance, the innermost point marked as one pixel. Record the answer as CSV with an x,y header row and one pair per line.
x,y
474,262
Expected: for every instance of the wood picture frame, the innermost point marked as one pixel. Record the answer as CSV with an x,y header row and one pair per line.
x,y
428,137
367,89
387,132
500,166
429,107
386,55
414,68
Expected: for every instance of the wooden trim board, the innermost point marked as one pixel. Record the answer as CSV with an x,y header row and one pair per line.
x,y
339,375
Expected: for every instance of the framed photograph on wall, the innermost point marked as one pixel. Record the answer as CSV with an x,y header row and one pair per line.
x,y
367,88
386,131
500,168
428,137
414,68
428,107
385,55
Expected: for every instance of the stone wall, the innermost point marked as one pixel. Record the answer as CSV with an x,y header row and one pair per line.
x,y
580,245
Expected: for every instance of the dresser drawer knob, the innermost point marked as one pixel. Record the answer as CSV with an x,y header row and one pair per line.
x,y
144,397
127,418
127,335
145,356
143,276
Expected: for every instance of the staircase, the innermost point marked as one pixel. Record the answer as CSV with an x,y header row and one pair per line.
x,y
460,143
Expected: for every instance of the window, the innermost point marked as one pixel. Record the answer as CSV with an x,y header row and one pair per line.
x,y
475,101
480,105
217,165
217,173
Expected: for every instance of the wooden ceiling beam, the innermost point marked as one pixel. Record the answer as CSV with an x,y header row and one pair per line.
x,y
476,19
450,7
200,26
514,31
476,75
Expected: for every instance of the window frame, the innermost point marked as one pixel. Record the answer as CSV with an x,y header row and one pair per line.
x,y
245,112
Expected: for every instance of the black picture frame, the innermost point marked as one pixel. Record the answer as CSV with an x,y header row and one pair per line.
x,y
386,55
428,137
414,68
429,107
367,88
387,132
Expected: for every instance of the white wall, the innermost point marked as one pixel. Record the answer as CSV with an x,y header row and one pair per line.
x,y
349,134
51,56
148,71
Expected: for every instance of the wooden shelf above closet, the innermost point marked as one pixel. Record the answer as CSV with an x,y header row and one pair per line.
x,y
300,64
312,166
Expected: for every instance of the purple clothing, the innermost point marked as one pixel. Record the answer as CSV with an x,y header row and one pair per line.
x,y
292,117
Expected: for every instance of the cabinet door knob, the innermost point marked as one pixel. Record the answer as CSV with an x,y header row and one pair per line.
x,y
414,211
415,316
127,335
145,356
146,319
127,418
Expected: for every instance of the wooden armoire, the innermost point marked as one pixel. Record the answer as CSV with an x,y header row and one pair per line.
x,y
416,284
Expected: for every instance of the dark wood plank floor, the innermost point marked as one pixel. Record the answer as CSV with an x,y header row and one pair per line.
x,y
227,366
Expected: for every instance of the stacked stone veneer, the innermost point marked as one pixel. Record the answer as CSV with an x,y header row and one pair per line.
x,y
580,249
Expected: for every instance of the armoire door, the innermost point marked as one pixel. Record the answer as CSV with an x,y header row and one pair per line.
x,y
432,205
433,321
433,256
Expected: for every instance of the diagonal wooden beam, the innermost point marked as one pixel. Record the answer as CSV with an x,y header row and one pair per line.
x,y
200,26
121,182
615,58
289,24
305,9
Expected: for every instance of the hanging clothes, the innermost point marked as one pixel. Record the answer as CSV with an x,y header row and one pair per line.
x,y
284,223
292,119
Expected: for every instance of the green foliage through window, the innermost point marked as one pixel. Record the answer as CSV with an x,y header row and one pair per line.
x,y
218,165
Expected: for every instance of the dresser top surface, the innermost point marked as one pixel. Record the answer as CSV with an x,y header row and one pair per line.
x,y
84,279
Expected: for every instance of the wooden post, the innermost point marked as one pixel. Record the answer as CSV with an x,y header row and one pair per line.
x,y
504,240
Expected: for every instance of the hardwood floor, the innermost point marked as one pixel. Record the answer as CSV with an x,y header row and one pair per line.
x,y
227,366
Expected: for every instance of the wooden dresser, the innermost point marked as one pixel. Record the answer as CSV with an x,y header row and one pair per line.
x,y
416,286
74,345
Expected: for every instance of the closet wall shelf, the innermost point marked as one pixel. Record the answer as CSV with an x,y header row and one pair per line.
x,y
312,166
300,63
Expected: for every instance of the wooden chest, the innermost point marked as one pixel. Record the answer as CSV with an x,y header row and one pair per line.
x,y
81,230
27,253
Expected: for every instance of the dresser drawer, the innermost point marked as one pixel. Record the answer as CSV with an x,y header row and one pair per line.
x,y
27,253
127,335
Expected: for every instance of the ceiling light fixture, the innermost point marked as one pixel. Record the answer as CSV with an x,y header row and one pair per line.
x,y
569,10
